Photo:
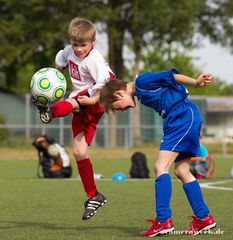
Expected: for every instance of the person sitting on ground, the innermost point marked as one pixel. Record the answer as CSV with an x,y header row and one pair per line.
x,y
53,158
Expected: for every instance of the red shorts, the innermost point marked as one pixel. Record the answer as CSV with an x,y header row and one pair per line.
x,y
87,120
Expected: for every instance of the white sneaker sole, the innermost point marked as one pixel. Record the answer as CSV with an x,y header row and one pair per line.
x,y
206,228
162,232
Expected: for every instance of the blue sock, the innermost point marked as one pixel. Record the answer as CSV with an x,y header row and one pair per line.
x,y
163,192
195,198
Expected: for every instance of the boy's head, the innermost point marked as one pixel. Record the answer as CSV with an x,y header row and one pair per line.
x,y
41,143
81,33
81,30
117,94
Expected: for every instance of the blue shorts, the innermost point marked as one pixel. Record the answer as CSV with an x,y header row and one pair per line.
x,y
181,130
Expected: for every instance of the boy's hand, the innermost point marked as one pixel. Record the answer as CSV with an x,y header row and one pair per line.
x,y
85,100
204,79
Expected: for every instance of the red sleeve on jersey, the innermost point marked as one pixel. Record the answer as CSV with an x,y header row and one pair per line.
x,y
112,75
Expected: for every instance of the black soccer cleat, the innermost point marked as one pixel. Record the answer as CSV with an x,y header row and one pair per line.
x,y
45,114
92,204
44,111
37,103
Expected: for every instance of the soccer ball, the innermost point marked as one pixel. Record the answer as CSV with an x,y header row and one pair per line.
x,y
48,85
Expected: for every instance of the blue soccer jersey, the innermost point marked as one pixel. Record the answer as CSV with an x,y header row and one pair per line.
x,y
159,91
182,119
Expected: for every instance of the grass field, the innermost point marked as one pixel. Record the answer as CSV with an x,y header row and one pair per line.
x,y
40,209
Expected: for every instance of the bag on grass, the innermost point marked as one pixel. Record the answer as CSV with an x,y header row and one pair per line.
x,y
54,161
139,167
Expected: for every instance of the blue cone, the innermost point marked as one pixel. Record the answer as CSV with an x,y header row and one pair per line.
x,y
118,177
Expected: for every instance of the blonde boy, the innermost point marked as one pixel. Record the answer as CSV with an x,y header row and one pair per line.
x,y
88,71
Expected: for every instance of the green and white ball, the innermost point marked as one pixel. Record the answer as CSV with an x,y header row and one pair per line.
x,y
48,85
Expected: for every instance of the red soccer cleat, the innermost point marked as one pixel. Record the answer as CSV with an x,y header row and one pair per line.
x,y
158,228
197,225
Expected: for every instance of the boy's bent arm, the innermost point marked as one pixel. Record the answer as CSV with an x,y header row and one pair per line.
x,y
85,100
203,80
182,79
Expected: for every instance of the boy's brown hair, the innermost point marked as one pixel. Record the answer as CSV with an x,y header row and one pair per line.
x,y
81,30
107,96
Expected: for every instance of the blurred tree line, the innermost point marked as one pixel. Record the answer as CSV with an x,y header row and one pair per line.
x,y
159,33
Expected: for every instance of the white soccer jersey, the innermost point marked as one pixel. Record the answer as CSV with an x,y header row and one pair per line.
x,y
85,73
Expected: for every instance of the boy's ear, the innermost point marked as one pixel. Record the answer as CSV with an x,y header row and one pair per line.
x,y
119,93
94,41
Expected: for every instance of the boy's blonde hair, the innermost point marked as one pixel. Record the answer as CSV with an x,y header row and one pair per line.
x,y
81,30
107,96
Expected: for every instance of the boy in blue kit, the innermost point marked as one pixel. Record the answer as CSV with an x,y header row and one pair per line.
x,y
165,93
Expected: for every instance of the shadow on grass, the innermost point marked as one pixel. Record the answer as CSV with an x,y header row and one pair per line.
x,y
129,230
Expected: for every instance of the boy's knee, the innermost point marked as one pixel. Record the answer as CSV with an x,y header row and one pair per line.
x,y
159,170
74,104
79,155
182,174
178,173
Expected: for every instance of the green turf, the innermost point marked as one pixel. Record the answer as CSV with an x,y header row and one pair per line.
x,y
40,209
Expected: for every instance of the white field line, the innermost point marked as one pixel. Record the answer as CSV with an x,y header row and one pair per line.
x,y
210,185
103,179
207,185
